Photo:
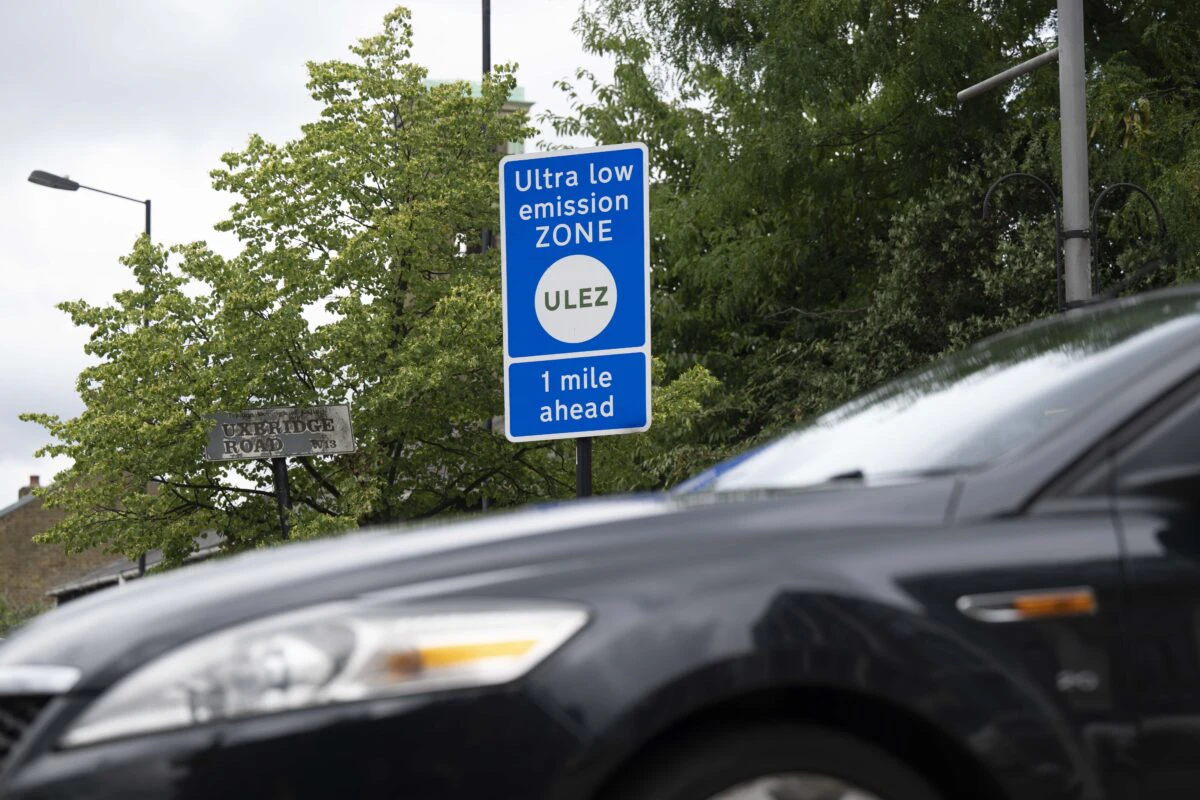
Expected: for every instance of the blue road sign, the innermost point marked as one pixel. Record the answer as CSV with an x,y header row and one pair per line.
x,y
575,255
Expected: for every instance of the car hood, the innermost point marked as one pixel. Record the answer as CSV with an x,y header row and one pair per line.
x,y
109,633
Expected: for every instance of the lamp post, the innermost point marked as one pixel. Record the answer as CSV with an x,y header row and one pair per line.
x,y
67,185
1072,103
486,16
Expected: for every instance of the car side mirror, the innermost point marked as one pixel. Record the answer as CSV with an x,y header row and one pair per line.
x,y
1180,483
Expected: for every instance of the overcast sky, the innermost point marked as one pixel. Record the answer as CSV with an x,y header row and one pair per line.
x,y
141,97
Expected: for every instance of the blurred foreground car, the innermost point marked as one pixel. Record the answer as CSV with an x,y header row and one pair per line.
x,y
979,581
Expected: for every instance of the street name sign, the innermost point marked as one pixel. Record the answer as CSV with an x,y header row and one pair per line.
x,y
280,433
575,278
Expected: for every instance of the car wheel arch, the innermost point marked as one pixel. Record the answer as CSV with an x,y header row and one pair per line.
x,y
917,741
896,665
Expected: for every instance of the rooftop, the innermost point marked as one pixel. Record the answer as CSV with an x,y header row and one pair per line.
x,y
125,569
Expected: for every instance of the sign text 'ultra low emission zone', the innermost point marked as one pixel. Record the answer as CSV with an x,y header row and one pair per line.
x,y
575,249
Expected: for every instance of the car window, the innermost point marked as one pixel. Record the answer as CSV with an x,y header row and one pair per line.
x,y
1169,449
975,406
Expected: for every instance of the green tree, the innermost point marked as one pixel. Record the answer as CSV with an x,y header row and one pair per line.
x,y
817,205
359,281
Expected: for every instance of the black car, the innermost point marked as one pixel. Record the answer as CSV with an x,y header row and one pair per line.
x,y
979,581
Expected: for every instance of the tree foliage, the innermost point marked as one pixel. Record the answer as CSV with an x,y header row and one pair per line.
x,y
817,205
816,228
359,281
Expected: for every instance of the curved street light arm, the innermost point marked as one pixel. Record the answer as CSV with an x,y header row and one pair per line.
x,y
1162,225
1058,231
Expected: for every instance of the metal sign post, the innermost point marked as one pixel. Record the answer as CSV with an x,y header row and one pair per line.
x,y
575,278
282,492
583,466
276,434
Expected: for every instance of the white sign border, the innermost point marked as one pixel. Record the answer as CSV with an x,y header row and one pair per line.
x,y
349,428
645,348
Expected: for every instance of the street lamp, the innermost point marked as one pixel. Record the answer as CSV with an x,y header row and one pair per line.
x,y
66,184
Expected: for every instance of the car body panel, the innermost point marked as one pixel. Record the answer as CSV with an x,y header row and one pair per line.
x,y
1162,540
762,594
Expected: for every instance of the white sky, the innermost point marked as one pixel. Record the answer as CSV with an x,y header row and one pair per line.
x,y
141,97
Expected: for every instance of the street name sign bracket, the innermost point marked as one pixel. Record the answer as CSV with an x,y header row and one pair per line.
x,y
277,434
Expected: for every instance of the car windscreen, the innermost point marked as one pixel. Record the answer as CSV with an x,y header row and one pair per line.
x,y
972,407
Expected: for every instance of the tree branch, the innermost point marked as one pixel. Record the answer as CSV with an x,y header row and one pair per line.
x,y
306,462
829,312
214,487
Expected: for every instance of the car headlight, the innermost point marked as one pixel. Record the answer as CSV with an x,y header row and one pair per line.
x,y
325,654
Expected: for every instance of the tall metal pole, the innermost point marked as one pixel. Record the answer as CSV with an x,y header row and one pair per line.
x,y
487,70
486,244
1072,100
142,555
487,36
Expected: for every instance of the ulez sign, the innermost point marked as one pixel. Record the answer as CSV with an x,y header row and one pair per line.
x,y
575,255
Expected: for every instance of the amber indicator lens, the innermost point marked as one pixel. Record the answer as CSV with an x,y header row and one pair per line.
x,y
1059,604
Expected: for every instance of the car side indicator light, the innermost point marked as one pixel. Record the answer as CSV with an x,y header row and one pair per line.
x,y
1031,605
1059,604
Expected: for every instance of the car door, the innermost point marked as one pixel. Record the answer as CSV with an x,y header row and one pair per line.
x,y
1156,490
1041,593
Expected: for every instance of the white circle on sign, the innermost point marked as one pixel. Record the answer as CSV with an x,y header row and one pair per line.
x,y
576,298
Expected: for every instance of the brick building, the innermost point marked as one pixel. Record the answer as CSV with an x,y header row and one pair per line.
x,y
28,570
